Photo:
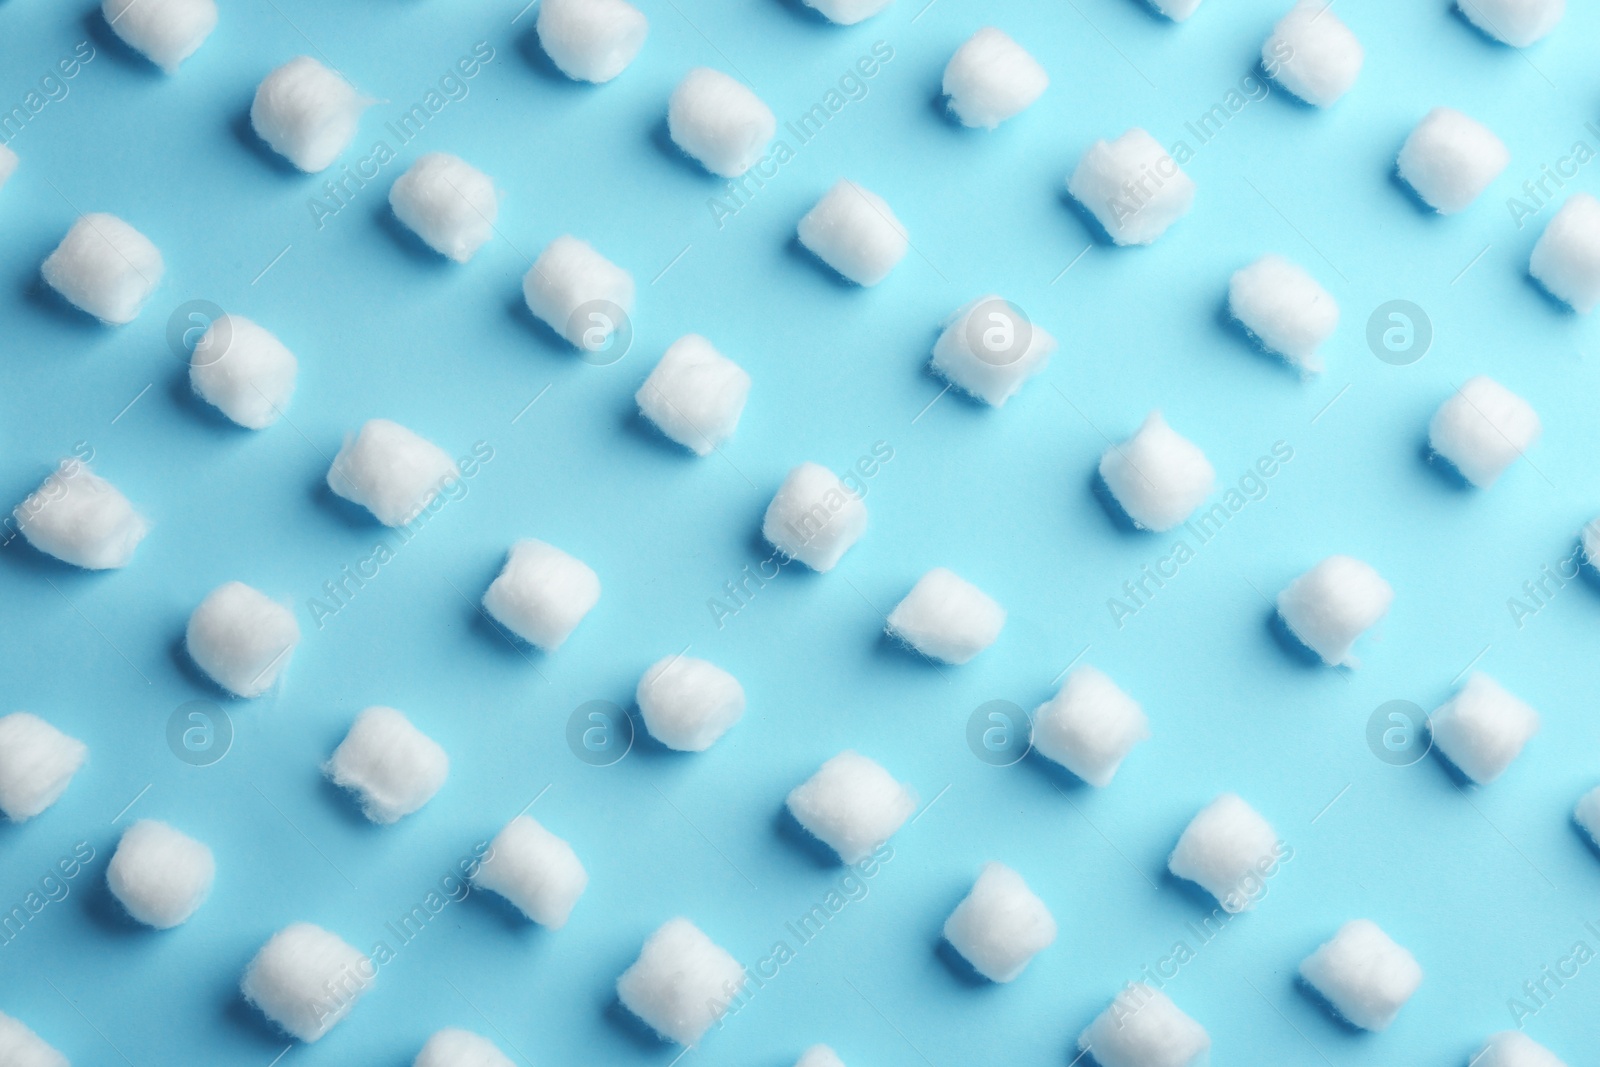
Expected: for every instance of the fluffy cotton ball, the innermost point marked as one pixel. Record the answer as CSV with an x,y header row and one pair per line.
x,y
390,765
1090,726
541,594
21,1047
591,40
1566,260
947,618
1144,1028
241,638
1363,974
1313,54
37,763
460,1048
161,875
105,267
80,518
819,1056
1518,23
166,31
243,371
852,230
1132,187
535,870
989,348
1587,813
8,164
681,982
688,703
306,979
391,471
1450,159
448,203
852,805
848,12
1157,476
1227,849
578,293
1482,429
1000,925
814,517
1284,309
695,395
1513,1048
719,122
1332,604
1482,728
991,78
307,113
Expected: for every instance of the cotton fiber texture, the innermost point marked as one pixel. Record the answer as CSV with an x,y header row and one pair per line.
x,y
1090,726
848,12
1226,849
1566,261
1144,1028
392,767
80,518
1482,428
1313,54
460,1048
1284,309
243,371
688,703
1513,1048
306,979
819,1056
37,763
8,164
105,267
1587,813
542,594
448,203
578,293
1000,925
535,870
241,638
161,875
391,471
814,517
307,113
947,618
695,395
853,230
591,40
165,31
1450,159
719,121
1518,23
1157,476
991,78
1132,187
681,982
989,348
852,805
1176,10
1332,604
21,1047
1364,975
1482,728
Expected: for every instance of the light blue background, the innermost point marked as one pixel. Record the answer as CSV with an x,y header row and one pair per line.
x,y
1485,886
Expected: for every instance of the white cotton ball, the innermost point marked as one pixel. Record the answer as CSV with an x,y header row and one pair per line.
x,y
460,1048
166,31
1518,23
1176,10
814,517
541,594
819,1056
307,113
1000,925
947,618
1482,728
695,395
244,371
448,203
989,348
1482,429
719,122
390,765
1363,974
1284,309
681,983
1587,813
591,40
105,267
1090,726
848,12
852,805
1513,1048
991,78
1332,604
306,979
1227,849
37,763
80,518
535,870
1313,54
1157,476
8,164
852,230
1133,187
1450,159
1566,259
391,471
1144,1028
21,1047
578,293
161,875
688,703
241,638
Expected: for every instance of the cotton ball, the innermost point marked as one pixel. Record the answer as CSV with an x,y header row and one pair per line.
x,y
1284,309
819,1056
681,983
1482,728
848,12
1363,974
1513,1048
578,293
105,267
991,78
37,763
244,371
306,113
814,517
448,203
1144,1028
1313,54
989,348
1132,187
8,164
541,594
1090,726
161,875
241,638
535,870
852,230
1566,259
1000,925
21,1047
460,1048
1518,23
1227,849
1176,10
306,979
852,805
1450,159
1482,429
1332,604
391,471
166,31
695,395
719,122
1587,813
80,518
1157,476
390,765
688,703
591,40
946,618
